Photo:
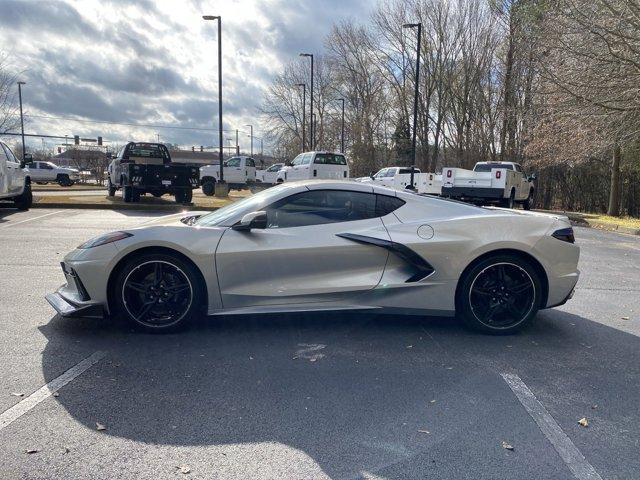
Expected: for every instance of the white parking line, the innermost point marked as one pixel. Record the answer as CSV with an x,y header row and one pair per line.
x,y
569,453
19,409
30,219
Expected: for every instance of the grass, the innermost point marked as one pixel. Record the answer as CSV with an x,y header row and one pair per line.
x,y
628,222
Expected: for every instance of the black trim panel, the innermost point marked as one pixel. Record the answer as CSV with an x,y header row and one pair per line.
x,y
422,267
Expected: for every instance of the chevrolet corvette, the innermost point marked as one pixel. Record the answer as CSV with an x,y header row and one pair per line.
x,y
327,246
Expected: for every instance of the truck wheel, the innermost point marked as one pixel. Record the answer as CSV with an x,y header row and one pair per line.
x,y
64,180
188,195
25,200
509,202
499,295
111,190
127,194
528,203
135,194
209,188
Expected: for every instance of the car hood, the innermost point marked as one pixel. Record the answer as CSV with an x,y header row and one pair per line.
x,y
173,219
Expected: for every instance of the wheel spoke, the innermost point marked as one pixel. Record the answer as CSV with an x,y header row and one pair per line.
x,y
157,272
488,315
520,288
137,286
146,307
175,289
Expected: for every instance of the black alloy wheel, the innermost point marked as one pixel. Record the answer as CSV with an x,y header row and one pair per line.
x,y
499,295
157,293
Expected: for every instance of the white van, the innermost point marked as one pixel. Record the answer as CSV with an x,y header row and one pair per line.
x,y
309,165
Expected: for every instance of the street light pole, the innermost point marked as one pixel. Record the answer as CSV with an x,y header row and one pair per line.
x,y
251,135
237,144
21,117
220,140
415,97
312,129
304,103
342,128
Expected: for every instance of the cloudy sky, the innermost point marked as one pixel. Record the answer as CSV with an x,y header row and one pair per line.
x,y
155,62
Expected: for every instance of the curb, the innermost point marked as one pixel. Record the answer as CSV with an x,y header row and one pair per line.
x,y
136,206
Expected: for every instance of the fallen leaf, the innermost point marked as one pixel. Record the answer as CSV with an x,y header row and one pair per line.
x,y
31,450
507,446
313,359
100,426
184,469
409,346
593,407
625,318
17,394
424,431
583,422
432,401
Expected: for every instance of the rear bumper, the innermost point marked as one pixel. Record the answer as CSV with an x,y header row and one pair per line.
x,y
473,192
69,309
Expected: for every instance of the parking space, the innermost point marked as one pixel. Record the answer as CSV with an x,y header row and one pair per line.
x,y
315,396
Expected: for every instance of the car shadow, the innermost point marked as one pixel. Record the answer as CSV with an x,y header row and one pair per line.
x,y
352,391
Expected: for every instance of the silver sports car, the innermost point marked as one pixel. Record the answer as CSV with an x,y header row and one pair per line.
x,y
327,245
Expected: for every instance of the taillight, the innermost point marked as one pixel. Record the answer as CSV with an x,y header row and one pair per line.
x,y
564,234
449,172
498,173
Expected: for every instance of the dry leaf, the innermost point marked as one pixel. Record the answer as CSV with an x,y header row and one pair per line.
x,y
409,346
507,446
593,407
424,431
184,469
432,401
583,422
17,394
625,318
100,426
31,450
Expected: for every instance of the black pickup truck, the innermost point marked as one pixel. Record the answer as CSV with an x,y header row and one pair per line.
x,y
141,168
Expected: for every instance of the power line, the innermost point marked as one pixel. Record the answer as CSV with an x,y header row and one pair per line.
x,y
146,125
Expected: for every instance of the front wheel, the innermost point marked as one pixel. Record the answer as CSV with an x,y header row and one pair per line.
x,y
528,203
157,293
25,200
64,181
499,295
111,189
209,188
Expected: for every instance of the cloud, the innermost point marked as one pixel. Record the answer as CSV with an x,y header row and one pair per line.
x,y
154,62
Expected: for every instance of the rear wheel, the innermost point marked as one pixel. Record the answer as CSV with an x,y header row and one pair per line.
x,y
127,194
499,295
64,180
528,203
509,202
25,200
157,293
111,189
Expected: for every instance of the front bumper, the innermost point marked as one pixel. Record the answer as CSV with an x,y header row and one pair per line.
x,y
69,309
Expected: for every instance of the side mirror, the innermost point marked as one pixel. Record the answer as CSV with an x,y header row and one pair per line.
x,y
252,220
532,177
372,175
287,163
27,159
190,219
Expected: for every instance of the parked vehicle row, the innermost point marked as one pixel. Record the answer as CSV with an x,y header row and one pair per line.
x,y
15,179
48,172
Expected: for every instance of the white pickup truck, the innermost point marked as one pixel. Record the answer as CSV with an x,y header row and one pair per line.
x,y
15,181
310,165
239,173
503,183
270,175
400,179
47,172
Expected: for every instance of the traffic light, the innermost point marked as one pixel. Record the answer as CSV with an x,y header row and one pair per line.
x,y
76,139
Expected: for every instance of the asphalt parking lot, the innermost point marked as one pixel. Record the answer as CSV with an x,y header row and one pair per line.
x,y
315,396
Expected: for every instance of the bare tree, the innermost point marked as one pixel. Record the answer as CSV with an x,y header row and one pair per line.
x,y
9,113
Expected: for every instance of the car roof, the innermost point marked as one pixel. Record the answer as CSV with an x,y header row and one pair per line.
x,y
344,185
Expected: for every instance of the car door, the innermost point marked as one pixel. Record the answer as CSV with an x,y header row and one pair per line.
x,y
300,257
15,176
250,169
233,171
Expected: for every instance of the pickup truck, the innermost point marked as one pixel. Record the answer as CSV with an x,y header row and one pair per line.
x,y
239,173
504,183
311,165
400,179
141,168
48,172
15,181
270,175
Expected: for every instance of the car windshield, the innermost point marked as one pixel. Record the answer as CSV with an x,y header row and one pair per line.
x,y
487,167
247,205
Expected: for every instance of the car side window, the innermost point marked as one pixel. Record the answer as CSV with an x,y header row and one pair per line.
x,y
306,159
391,172
274,168
381,173
3,155
297,160
233,162
386,204
250,162
9,153
317,207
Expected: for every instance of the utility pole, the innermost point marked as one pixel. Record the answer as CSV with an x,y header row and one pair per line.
x,y
304,103
415,98
312,129
21,118
237,144
251,135
342,128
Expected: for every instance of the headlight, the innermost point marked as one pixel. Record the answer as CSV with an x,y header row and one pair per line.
x,y
106,238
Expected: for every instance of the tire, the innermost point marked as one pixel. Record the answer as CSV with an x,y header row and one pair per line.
x,y
209,188
188,195
127,194
497,304
157,293
528,203
509,202
64,181
135,195
111,190
25,200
